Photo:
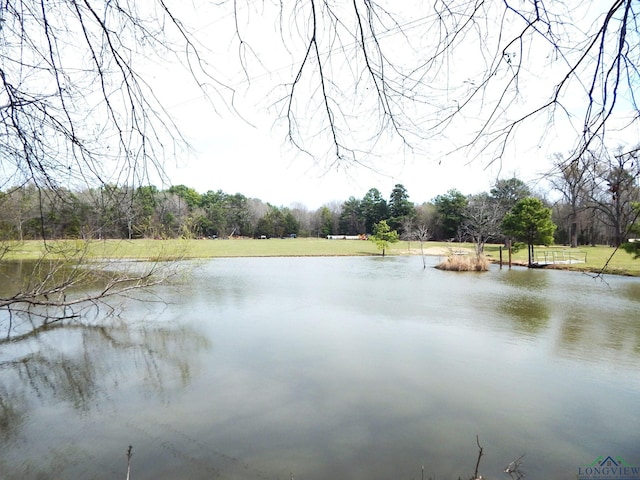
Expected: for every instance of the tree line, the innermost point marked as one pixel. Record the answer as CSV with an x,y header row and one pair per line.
x,y
597,203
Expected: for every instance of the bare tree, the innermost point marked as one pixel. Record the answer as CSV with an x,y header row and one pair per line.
x,y
422,234
505,71
615,190
481,220
407,231
571,179
362,77
17,206
75,104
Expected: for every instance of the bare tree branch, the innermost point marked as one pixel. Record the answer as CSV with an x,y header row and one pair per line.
x,y
480,75
63,285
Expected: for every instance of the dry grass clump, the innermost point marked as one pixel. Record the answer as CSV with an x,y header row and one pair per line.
x,y
464,263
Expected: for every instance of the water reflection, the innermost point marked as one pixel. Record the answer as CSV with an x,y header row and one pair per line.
x,y
631,291
351,368
592,335
529,315
573,330
80,365
522,300
525,279
13,413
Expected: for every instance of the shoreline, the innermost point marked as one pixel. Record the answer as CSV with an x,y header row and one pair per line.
x,y
617,262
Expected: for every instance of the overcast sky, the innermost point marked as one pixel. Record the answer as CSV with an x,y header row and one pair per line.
x,y
247,152
235,157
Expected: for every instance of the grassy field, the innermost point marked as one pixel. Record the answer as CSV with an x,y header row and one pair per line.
x,y
618,261
597,257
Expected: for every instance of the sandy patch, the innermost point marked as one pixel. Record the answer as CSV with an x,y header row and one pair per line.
x,y
440,251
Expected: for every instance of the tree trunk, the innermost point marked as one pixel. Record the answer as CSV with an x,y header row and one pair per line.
x,y
574,234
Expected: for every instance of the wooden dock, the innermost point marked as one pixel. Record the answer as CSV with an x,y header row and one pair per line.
x,y
558,257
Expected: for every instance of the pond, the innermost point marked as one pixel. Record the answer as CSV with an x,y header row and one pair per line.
x,y
318,368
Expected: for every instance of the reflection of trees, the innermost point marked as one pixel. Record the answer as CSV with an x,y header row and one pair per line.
x,y
12,412
524,302
631,291
529,314
592,336
572,329
525,280
54,375
589,331
79,363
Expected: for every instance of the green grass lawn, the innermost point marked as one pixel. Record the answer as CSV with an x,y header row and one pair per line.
x,y
152,249
597,257
622,263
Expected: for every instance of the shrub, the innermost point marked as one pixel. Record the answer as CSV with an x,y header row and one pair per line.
x,y
464,263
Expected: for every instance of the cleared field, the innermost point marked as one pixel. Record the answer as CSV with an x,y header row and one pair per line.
x,y
153,249
621,262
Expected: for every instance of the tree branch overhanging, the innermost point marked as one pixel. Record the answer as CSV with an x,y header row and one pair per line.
x,y
379,75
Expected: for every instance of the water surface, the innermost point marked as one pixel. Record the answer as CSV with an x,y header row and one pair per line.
x,y
352,368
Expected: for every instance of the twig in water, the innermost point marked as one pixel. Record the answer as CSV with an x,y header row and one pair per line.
x,y
129,455
513,469
475,475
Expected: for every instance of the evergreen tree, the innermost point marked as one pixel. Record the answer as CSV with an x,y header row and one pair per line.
x,y
400,208
530,221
